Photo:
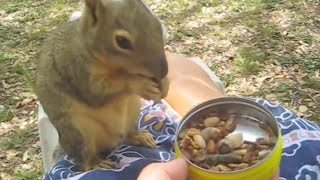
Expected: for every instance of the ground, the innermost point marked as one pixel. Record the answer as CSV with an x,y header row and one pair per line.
x,y
260,48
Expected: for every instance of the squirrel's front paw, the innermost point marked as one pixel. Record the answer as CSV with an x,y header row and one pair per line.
x,y
164,87
142,138
105,164
146,88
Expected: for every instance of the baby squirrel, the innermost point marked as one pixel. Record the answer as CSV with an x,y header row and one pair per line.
x,y
92,73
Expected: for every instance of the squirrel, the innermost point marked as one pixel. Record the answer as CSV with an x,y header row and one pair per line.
x,y
92,73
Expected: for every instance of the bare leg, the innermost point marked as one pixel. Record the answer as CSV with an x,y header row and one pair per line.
x,y
189,84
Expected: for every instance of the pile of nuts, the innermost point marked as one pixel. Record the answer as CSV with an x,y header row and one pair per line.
x,y
210,144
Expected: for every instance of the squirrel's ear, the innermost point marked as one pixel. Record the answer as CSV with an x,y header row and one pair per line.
x,y
92,7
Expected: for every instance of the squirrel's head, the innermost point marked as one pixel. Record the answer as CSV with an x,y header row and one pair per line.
x,y
125,35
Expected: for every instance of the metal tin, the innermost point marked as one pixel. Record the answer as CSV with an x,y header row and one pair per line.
x,y
252,114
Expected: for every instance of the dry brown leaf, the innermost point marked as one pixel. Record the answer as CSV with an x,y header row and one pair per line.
x,y
5,85
26,166
26,156
18,104
303,108
281,94
10,154
280,76
15,98
317,98
271,96
278,69
2,155
310,104
4,176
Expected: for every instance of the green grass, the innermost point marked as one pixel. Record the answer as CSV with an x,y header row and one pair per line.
x,y
30,16
281,88
210,3
26,175
10,32
267,31
316,118
312,82
306,37
14,5
16,139
27,75
38,33
4,57
5,115
178,34
247,67
21,38
308,64
228,79
248,60
250,20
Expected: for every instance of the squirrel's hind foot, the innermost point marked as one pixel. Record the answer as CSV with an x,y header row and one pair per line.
x,y
106,164
142,138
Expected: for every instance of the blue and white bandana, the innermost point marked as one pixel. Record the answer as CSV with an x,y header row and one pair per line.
x,y
300,157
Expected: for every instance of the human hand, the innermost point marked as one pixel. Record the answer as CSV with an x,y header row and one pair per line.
x,y
276,175
173,170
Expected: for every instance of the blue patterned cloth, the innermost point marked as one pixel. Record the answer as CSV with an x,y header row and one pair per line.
x,y
300,157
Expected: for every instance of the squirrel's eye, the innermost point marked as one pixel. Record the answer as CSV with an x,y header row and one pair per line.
x,y
124,43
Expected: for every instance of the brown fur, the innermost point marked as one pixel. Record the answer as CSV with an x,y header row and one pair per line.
x,y
90,88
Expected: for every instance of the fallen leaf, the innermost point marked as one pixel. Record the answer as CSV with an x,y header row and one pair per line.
x,y
31,113
281,94
278,69
2,155
4,84
303,108
317,98
26,156
317,73
280,76
310,104
26,166
5,176
15,98
11,154
24,112
15,120
26,101
271,96
18,104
